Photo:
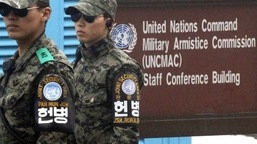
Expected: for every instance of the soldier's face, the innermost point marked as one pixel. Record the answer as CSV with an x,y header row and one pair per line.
x,y
90,33
27,27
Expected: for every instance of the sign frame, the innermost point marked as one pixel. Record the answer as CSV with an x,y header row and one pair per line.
x,y
193,125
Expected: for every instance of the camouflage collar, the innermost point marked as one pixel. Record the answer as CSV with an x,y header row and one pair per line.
x,y
100,48
22,60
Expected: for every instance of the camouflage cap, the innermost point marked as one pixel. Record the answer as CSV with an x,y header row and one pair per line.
x,y
20,4
93,7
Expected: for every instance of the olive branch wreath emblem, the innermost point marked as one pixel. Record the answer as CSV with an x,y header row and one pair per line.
x,y
134,42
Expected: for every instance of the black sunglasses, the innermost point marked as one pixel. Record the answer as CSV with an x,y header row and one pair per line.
x,y
5,11
76,17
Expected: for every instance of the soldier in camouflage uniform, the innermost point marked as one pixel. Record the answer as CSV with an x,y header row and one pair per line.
x,y
108,80
36,90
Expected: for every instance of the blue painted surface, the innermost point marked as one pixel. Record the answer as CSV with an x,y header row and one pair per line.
x,y
54,28
173,140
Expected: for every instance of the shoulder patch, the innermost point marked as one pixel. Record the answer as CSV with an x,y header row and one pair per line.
x,y
126,95
44,55
53,104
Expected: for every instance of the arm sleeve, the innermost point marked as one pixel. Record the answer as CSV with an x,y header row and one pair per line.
x,y
53,106
124,87
56,138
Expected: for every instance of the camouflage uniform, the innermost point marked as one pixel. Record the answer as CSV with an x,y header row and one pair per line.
x,y
20,91
94,73
108,83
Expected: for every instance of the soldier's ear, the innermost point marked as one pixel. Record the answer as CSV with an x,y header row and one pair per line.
x,y
46,12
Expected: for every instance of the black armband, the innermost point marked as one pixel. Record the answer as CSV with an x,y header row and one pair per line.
x,y
125,93
54,110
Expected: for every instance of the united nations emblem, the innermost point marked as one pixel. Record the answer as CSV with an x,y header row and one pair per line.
x,y
52,87
124,37
52,91
129,87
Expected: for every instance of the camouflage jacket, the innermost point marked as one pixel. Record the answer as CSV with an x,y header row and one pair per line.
x,y
97,70
19,94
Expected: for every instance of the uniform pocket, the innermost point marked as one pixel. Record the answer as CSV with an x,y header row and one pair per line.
x,y
94,98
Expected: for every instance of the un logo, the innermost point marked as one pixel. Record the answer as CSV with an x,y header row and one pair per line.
x,y
52,91
124,37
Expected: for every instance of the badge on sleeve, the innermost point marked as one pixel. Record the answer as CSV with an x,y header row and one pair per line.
x,y
126,96
53,104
